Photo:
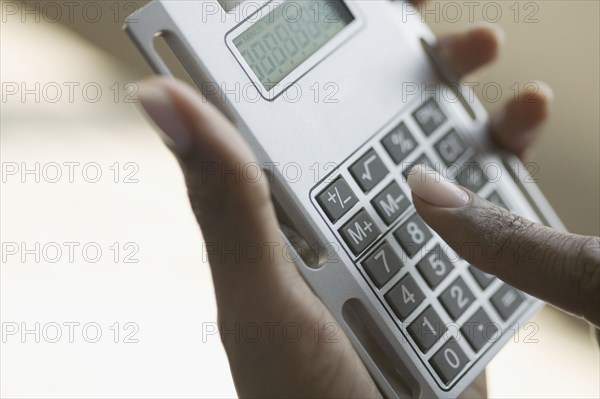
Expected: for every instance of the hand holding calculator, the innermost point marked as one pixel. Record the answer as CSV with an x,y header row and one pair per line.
x,y
422,320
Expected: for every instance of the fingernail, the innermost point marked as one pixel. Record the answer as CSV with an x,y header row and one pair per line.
x,y
544,89
433,188
159,106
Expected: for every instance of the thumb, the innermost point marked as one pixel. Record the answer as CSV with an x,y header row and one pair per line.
x,y
257,284
560,268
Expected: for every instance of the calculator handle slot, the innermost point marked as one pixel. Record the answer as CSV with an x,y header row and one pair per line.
x,y
155,22
150,21
385,361
380,351
448,76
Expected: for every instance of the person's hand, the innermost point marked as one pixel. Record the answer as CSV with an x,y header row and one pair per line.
x,y
235,214
560,268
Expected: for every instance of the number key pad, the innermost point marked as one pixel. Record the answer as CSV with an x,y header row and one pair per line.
x,y
367,205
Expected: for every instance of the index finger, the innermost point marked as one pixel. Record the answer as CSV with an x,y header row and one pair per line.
x,y
561,268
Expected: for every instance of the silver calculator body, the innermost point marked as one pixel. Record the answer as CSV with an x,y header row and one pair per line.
x,y
337,107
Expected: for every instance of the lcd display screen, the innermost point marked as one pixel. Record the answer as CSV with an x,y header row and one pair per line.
x,y
287,36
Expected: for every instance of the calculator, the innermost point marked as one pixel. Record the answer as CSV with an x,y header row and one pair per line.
x,y
339,99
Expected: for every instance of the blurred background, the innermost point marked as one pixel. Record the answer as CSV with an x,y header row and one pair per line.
x,y
81,165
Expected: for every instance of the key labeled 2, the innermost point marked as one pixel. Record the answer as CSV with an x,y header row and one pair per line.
x,y
457,298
